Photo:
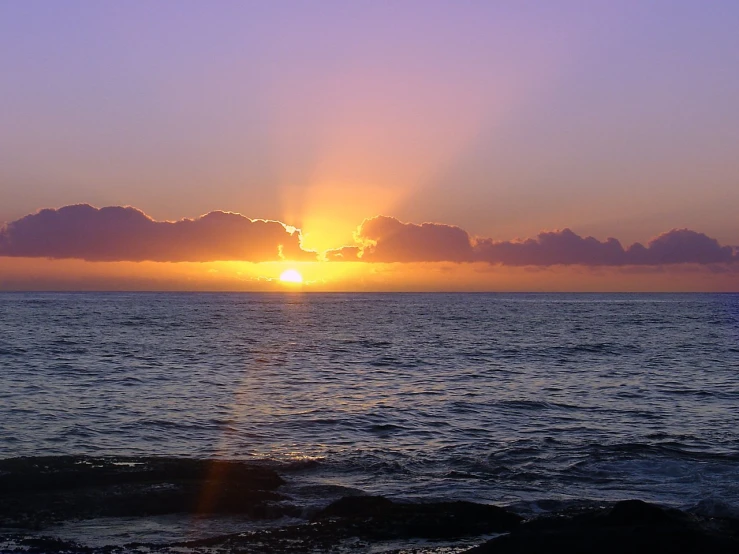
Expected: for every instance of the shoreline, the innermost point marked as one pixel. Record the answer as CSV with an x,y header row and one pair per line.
x,y
378,525
39,494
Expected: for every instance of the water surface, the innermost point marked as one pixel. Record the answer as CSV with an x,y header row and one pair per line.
x,y
528,400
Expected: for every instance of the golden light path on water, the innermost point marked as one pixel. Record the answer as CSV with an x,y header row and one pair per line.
x,y
218,474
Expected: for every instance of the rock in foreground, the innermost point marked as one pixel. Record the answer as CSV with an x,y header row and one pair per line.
x,y
379,518
630,526
38,491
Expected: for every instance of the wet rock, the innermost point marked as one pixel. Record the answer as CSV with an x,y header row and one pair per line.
x,y
357,506
629,526
70,472
637,512
42,545
362,523
376,517
38,491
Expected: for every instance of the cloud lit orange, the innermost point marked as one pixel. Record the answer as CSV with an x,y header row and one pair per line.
x,y
127,234
385,239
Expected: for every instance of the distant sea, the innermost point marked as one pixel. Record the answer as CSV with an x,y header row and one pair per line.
x,y
531,401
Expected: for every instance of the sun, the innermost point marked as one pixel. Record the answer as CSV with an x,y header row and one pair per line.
x,y
291,276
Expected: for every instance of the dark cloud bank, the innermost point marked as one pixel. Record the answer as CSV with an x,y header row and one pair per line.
x,y
386,239
127,234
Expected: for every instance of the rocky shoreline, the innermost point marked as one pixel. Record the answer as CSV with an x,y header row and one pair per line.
x,y
42,492
365,524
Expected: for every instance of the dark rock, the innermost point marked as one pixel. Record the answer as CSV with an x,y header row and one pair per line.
x,y
70,472
362,523
630,526
357,506
38,491
46,545
379,518
637,512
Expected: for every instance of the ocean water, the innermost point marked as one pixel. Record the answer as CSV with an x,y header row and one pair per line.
x,y
531,401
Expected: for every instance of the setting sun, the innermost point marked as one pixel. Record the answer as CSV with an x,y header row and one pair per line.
x,y
291,276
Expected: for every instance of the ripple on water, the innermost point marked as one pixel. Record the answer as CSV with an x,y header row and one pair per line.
x,y
493,397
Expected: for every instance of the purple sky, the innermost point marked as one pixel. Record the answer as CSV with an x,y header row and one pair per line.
x,y
503,118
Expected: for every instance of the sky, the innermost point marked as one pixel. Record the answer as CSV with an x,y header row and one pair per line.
x,y
415,145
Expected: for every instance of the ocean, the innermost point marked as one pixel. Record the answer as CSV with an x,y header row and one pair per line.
x,y
533,402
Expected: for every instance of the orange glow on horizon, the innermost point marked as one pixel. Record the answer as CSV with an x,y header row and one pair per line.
x,y
321,276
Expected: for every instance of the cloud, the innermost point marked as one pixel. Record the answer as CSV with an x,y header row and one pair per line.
x,y
385,239
343,254
126,234
682,246
552,248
